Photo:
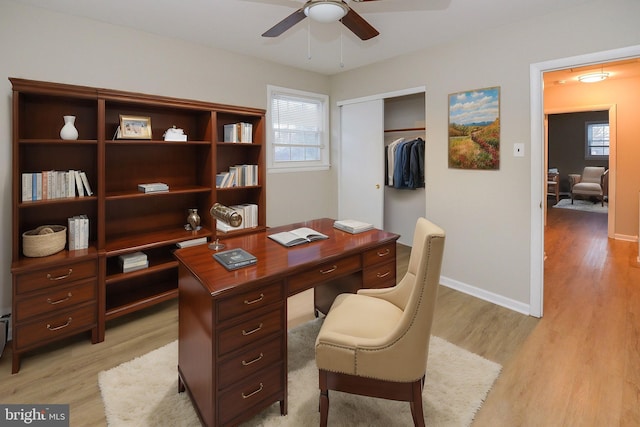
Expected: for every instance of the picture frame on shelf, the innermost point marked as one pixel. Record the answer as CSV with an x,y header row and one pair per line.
x,y
134,127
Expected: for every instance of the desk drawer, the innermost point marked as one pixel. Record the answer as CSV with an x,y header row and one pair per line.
x,y
379,276
384,253
251,395
55,276
55,299
322,273
250,361
248,302
250,331
55,326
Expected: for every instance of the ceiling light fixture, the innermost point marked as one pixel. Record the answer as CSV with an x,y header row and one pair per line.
x,y
593,77
326,10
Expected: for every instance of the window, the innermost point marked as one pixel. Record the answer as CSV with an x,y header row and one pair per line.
x,y
298,138
597,144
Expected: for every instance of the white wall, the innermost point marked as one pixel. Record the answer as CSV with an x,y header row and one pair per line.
x,y
486,214
41,45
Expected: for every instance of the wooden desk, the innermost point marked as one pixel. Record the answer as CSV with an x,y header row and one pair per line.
x,y
233,325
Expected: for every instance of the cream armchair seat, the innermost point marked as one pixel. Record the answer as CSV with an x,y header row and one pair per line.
x,y
590,183
375,343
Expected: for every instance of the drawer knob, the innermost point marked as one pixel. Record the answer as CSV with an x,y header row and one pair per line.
x,y
260,298
57,328
258,390
67,298
329,270
64,276
384,253
251,362
383,275
253,331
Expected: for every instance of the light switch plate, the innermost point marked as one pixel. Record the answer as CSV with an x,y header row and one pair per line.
x,y
518,150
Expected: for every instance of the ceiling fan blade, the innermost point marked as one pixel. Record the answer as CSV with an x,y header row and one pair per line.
x,y
359,25
285,24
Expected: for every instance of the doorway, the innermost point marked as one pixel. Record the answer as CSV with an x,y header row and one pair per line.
x,y
538,159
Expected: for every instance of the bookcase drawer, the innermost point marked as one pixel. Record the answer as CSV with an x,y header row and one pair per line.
x,y
55,326
55,299
380,254
55,276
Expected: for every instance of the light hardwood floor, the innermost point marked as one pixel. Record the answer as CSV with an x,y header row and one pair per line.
x,y
577,366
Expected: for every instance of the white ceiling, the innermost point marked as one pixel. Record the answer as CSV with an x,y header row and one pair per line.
x,y
236,25
625,69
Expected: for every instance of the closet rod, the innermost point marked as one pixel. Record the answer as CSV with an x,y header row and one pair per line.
x,y
404,130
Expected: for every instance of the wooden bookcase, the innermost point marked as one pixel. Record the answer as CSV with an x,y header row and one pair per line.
x,y
122,220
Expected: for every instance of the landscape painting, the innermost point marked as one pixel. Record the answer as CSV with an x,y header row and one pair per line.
x,y
474,129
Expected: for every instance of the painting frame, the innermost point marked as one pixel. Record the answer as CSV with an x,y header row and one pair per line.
x,y
473,131
135,127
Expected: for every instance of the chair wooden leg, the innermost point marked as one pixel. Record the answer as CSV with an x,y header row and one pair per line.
x,y
324,398
416,404
324,407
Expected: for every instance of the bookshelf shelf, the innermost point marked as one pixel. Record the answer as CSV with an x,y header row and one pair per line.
x,y
122,219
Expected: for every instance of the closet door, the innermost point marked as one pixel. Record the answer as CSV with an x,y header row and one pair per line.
x,y
361,187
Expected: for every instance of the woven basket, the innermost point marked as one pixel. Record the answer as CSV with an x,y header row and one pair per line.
x,y
44,241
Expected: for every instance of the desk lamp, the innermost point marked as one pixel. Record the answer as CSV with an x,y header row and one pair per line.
x,y
227,215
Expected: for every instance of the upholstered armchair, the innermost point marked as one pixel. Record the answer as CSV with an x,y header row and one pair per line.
x,y
375,343
590,184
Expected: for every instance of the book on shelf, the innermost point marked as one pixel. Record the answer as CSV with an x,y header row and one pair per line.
x,y
233,259
132,257
297,237
78,232
238,132
153,187
352,226
238,176
192,242
79,184
135,266
133,261
249,214
53,184
85,183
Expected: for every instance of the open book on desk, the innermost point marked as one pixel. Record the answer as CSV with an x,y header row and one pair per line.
x,y
297,236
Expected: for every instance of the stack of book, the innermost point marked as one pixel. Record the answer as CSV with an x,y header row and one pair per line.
x,y
78,230
133,261
238,132
153,187
352,226
238,176
54,185
249,214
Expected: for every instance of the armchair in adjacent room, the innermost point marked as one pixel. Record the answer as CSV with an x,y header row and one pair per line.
x,y
376,342
590,184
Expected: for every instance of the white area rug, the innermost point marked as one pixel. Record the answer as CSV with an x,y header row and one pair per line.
x,y
143,391
582,205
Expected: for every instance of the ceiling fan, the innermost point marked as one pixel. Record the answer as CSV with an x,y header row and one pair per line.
x,y
327,11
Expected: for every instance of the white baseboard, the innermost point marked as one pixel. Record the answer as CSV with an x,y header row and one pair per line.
x,y
486,296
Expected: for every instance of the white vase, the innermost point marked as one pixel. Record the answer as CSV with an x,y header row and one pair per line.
x,y
69,130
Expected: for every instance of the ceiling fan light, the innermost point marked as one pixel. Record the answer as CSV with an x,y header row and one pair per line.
x,y
326,11
593,77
